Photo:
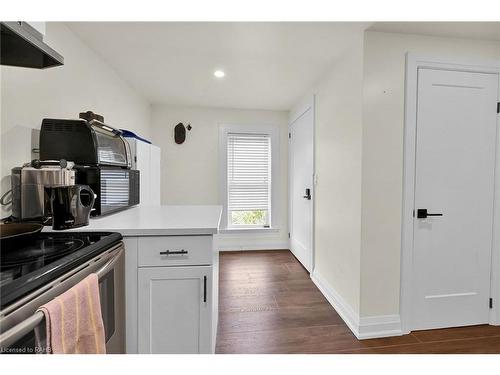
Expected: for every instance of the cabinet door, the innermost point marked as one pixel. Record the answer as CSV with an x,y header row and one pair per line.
x,y
155,175
174,311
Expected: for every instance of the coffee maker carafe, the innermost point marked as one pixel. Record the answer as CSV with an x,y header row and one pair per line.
x,y
71,206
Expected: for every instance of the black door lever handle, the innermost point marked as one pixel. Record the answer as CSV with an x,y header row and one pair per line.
x,y
422,213
308,194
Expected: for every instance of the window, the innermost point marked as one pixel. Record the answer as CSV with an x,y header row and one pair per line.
x,y
248,180
248,169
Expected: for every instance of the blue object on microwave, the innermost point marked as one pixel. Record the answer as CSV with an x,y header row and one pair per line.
x,y
129,134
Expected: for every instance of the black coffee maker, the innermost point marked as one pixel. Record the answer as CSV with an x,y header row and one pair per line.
x,y
70,206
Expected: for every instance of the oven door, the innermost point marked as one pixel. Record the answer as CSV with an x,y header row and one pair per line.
x,y
112,296
112,148
110,265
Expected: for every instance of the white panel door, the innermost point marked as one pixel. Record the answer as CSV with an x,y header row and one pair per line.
x,y
155,174
301,187
455,163
174,310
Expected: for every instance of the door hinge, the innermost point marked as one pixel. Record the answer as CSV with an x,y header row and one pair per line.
x,y
288,234
498,107
491,303
289,135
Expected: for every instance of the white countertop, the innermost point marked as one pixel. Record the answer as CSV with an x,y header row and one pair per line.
x,y
157,221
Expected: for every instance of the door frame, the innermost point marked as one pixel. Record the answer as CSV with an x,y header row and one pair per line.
x,y
307,103
413,63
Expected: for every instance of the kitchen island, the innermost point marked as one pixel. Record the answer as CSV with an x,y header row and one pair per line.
x,y
171,276
158,221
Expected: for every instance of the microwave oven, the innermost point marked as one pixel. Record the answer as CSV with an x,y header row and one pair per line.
x,y
115,188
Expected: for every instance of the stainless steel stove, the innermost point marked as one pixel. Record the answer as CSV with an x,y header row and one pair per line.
x,y
35,271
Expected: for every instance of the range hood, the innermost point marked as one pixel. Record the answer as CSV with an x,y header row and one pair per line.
x,y
22,45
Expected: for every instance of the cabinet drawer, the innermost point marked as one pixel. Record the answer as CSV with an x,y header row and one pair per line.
x,y
175,251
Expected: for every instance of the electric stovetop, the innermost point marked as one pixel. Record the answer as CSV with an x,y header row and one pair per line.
x,y
29,264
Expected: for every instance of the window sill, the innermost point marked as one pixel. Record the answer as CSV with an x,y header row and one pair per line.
x,y
248,230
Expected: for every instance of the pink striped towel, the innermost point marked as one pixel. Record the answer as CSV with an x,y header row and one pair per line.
x,y
73,320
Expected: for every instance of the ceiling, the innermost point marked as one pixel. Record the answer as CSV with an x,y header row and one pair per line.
x,y
471,30
267,65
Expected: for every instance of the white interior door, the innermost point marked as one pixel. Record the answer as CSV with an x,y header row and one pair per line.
x,y
301,187
454,177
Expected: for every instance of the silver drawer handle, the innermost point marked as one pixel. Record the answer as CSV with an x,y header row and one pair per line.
x,y
168,252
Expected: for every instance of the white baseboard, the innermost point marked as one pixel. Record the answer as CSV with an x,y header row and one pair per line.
x,y
371,327
345,311
364,327
260,246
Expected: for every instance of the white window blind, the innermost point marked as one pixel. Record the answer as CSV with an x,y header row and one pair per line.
x,y
248,179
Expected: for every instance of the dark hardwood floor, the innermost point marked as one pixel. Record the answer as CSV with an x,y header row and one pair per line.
x,y
268,304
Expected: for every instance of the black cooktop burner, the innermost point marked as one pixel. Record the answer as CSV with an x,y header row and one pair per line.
x,y
28,265
40,250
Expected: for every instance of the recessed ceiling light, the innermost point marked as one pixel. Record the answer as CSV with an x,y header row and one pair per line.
x,y
219,73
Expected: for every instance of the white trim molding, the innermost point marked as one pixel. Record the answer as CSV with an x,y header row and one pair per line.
x,y
249,230
379,326
346,312
362,327
237,246
495,254
413,63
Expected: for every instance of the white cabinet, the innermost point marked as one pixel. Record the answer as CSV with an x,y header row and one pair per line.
x,y
155,174
172,294
146,159
175,305
142,160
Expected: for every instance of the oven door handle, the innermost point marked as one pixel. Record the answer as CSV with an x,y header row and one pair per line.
x,y
12,335
108,266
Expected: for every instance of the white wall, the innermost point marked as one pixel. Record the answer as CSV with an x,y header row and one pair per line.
x,y
338,129
84,82
190,172
359,155
383,112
